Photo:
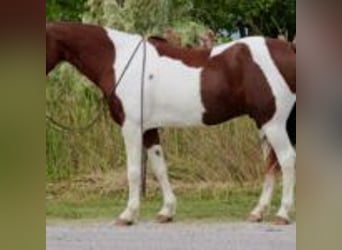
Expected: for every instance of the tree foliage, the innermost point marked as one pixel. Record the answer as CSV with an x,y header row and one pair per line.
x,y
142,16
65,10
148,17
266,17
262,17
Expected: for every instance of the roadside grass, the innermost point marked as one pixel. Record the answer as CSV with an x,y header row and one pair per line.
x,y
223,204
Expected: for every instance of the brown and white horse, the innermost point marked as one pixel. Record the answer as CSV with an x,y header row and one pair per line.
x,y
184,87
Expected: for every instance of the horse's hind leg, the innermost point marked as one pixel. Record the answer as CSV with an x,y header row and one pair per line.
x,y
272,168
156,157
286,155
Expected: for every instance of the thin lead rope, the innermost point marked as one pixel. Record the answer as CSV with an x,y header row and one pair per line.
x,y
58,126
112,90
143,161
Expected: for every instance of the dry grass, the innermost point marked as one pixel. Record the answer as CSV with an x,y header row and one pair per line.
x,y
114,184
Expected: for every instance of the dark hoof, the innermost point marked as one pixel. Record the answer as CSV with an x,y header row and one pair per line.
x,y
253,218
280,221
123,223
164,219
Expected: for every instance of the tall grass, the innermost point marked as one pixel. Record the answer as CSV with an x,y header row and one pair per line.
x,y
226,153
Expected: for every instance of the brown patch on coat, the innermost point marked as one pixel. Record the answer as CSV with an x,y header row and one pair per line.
x,y
283,54
88,48
151,138
232,84
189,56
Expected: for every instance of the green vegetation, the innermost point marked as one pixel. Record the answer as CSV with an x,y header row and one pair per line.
x,y
263,17
94,162
65,10
267,17
227,204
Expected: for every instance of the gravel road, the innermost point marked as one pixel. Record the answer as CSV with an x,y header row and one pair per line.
x,y
176,236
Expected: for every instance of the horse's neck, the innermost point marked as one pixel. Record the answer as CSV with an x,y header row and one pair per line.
x,y
60,47
86,47
53,53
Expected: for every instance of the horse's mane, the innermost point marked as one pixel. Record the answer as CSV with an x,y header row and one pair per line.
x,y
158,38
189,56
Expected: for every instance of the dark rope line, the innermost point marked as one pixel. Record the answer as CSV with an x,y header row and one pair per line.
x,y
143,158
58,126
112,90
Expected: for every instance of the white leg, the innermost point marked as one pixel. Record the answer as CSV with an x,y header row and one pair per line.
x,y
156,156
133,143
286,156
268,187
288,188
265,198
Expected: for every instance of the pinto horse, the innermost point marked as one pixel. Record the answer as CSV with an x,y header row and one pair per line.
x,y
253,76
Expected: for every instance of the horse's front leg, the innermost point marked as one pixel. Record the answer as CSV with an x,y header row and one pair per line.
x,y
133,142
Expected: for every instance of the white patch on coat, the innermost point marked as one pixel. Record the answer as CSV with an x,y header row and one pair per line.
x,y
172,90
